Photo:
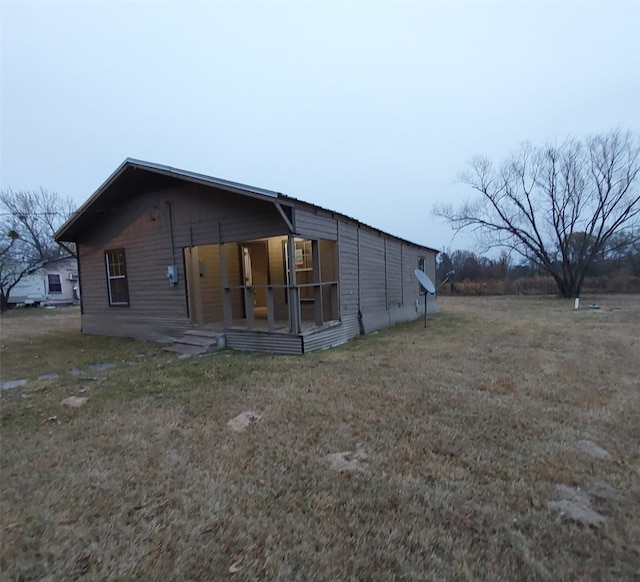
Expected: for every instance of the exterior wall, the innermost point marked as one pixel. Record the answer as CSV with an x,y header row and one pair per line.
x,y
142,225
315,224
377,285
377,278
68,271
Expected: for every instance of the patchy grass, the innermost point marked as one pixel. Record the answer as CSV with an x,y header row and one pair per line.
x,y
467,427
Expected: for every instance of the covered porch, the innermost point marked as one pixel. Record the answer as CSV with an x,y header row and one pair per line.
x,y
263,289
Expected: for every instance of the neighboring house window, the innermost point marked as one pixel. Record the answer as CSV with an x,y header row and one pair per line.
x,y
117,277
54,283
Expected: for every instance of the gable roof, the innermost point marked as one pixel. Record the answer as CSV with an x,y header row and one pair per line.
x,y
133,171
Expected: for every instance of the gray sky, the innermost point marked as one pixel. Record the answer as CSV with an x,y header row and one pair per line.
x,y
367,108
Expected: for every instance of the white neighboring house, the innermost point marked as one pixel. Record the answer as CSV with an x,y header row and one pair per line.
x,y
55,283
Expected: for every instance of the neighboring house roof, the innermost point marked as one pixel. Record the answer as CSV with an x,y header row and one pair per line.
x,y
105,195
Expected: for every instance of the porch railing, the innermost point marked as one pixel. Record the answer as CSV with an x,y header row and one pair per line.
x,y
293,304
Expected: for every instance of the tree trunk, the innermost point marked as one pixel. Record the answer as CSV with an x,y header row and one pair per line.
x,y
4,302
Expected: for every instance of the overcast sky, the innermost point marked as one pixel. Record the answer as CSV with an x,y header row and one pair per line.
x,y
367,108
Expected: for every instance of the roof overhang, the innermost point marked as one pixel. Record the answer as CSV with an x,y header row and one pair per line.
x,y
138,174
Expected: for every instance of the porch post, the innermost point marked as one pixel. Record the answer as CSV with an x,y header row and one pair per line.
x,y
317,288
224,282
195,279
271,322
294,294
248,305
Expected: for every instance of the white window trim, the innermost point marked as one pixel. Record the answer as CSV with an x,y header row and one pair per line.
x,y
49,292
111,277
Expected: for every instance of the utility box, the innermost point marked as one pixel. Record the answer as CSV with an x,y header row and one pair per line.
x,y
172,274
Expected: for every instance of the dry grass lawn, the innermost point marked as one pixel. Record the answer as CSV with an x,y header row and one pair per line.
x,y
463,432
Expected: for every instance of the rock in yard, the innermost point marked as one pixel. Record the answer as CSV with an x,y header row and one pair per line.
x,y
243,420
74,401
100,367
9,384
576,505
51,376
593,450
348,461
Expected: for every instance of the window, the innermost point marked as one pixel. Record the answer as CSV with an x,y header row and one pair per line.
x,y
117,277
54,284
304,267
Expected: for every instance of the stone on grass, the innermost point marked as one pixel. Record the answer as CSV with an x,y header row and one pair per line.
x,y
348,461
9,384
74,401
576,505
100,367
593,450
51,376
75,372
243,420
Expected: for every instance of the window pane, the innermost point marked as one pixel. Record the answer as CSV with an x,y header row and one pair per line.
x,y
115,260
117,277
119,291
55,285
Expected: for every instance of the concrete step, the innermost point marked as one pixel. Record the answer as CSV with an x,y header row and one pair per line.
x,y
203,333
185,349
201,342
197,341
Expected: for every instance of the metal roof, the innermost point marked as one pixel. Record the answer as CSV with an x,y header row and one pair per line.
x,y
200,178
194,177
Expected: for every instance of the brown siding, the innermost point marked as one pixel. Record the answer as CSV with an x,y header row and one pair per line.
x,y
394,274
348,268
142,226
256,341
373,297
319,224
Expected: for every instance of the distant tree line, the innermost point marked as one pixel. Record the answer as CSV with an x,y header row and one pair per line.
x,y
616,267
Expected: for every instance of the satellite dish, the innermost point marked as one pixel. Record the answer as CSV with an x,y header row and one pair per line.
x,y
424,280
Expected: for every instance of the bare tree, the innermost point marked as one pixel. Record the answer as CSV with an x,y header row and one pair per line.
x,y
28,221
556,206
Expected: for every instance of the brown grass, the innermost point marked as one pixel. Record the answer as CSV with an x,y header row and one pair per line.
x,y
467,426
616,283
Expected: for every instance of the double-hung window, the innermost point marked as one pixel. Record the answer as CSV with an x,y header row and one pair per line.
x,y
117,283
54,283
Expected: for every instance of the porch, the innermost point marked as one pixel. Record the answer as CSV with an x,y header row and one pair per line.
x,y
265,294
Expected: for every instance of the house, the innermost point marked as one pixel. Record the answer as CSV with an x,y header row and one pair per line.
x,y
54,283
163,251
